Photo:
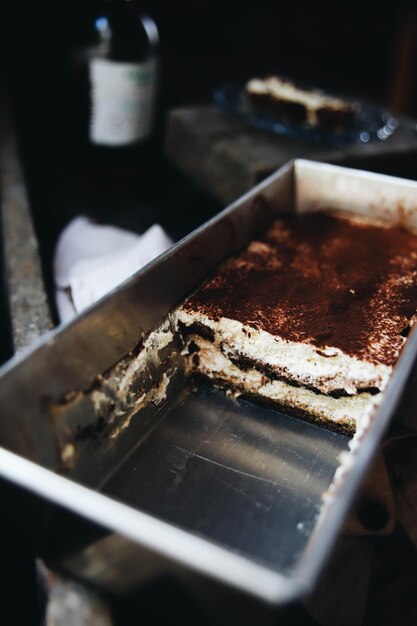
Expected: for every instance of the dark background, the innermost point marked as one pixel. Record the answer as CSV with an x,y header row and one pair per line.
x,y
351,48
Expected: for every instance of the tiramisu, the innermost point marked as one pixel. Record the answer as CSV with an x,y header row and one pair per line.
x,y
288,102
311,317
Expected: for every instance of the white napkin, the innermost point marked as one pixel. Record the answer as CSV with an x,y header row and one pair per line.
x,y
91,259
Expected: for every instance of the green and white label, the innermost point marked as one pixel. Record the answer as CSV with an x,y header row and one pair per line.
x,y
122,101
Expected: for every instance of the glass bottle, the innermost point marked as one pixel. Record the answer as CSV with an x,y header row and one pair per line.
x,y
112,87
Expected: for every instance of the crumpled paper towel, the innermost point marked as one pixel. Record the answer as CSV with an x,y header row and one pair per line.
x,y
92,259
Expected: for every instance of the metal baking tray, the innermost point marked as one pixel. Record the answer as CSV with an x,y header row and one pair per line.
x,y
197,482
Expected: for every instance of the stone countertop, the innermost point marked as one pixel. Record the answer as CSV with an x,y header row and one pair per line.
x,y
29,309
227,156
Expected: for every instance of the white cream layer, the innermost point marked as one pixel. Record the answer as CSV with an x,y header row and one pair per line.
x,y
346,411
325,369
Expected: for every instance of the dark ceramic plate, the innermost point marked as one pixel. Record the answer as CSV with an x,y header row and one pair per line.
x,y
371,123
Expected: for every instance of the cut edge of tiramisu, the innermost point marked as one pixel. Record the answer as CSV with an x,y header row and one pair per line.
x,y
210,362
310,318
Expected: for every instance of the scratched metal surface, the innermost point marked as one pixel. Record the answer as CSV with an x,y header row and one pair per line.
x,y
240,474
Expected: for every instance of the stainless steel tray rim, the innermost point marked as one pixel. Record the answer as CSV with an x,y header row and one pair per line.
x,y
165,539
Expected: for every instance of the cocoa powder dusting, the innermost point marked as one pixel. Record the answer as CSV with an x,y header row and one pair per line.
x,y
322,279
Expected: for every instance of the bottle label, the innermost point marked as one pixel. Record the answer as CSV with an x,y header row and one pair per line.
x,y
122,101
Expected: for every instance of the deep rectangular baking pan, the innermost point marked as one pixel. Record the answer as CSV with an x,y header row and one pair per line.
x,y
201,482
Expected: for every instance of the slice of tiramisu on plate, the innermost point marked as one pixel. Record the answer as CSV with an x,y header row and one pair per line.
x,y
288,102
311,317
